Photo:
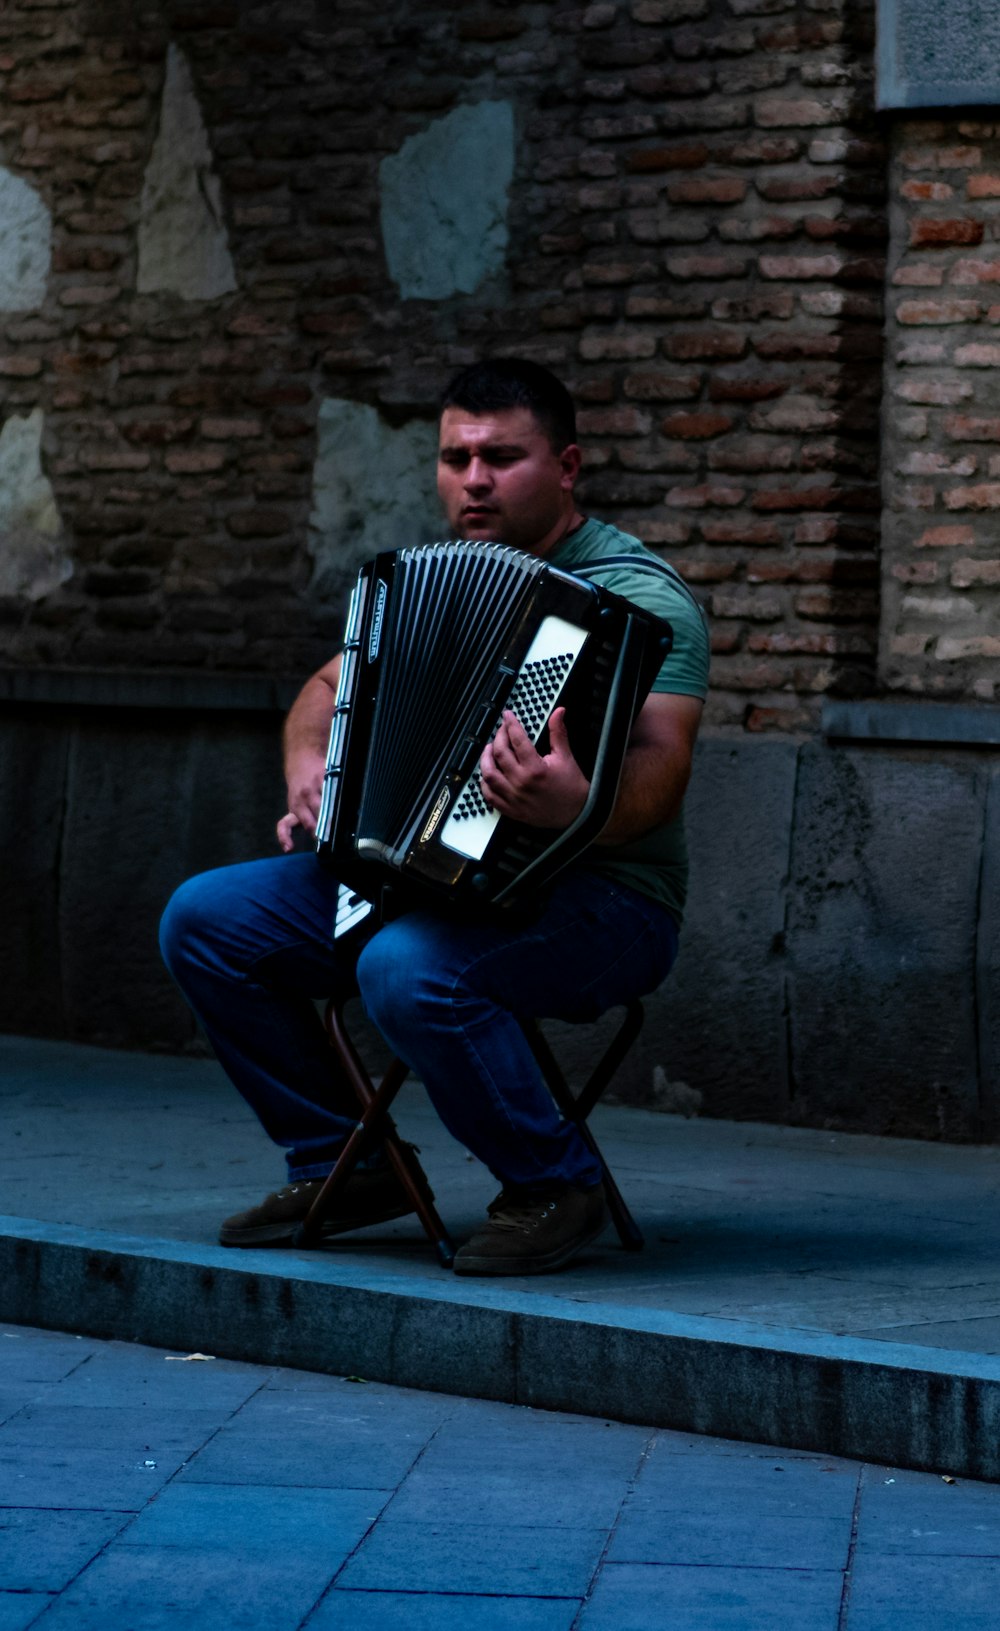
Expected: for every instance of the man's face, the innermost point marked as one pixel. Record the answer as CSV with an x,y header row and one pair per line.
x,y
499,478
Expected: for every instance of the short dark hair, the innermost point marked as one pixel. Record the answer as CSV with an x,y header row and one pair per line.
x,y
494,384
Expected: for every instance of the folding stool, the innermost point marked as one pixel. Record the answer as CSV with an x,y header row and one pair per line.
x,y
376,1125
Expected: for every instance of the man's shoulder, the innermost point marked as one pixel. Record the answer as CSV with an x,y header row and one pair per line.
x,y
623,563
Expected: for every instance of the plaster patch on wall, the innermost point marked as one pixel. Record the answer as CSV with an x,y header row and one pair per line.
x,y
444,200
183,243
33,557
373,488
25,244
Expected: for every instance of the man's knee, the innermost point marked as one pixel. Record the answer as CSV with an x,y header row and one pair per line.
x,y
401,974
183,921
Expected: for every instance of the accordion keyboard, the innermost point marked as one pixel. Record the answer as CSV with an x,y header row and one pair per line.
x,y
557,645
351,909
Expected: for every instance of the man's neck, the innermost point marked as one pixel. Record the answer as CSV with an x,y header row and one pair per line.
x,y
554,538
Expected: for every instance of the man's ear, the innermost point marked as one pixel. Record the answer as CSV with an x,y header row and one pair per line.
x,y
570,460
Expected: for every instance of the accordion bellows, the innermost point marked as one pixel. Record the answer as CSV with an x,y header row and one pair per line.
x,y
439,641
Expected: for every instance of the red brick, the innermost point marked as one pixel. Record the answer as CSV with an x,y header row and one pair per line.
x,y
919,572
774,112
157,432
963,427
613,422
795,267
794,645
670,310
958,158
921,275
985,496
779,303
934,312
707,190
761,150
696,426
966,574
224,430
744,388
753,607
761,534
830,604
681,157
796,189
975,271
791,347
977,355
655,533
705,343
20,367
936,191
89,294
938,392
697,498
739,675
716,267
596,347
618,272
928,233
101,458
791,498
712,571
194,461
987,186
655,387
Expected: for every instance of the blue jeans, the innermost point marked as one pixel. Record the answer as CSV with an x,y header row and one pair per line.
x,y
251,945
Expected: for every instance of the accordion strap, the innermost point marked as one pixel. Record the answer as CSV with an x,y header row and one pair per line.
x,y
639,563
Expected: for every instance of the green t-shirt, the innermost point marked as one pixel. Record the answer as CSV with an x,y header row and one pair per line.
x,y
655,864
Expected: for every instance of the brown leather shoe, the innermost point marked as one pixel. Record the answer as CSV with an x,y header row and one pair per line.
x,y
367,1197
533,1231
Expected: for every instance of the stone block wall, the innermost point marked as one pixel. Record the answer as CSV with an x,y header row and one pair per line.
x,y
246,226
837,969
941,573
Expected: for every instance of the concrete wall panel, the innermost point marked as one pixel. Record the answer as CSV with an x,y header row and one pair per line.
x,y
33,752
881,943
988,964
718,1024
129,787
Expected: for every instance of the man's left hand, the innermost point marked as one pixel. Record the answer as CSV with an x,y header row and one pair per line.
x,y
541,790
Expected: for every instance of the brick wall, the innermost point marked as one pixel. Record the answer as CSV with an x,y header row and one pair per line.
x,y
697,230
941,585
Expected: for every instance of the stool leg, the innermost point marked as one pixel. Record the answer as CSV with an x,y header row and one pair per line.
x,y
375,1122
576,1109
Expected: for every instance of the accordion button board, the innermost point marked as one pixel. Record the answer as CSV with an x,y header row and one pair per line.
x,y
541,678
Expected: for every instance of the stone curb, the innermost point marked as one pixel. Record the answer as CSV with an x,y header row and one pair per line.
x,y
926,1408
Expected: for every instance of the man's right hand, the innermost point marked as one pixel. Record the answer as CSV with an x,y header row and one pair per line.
x,y
305,771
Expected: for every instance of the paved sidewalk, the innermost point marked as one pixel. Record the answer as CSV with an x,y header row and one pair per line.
x,y
828,1290
149,1491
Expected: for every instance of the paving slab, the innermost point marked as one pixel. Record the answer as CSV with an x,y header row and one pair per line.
x,y
670,1529
829,1291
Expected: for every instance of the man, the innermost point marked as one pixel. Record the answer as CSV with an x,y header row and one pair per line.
x,y
251,946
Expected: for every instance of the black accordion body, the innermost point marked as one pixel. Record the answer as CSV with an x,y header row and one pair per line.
x,y
439,642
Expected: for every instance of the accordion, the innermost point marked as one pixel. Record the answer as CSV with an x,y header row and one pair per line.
x,y
439,641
